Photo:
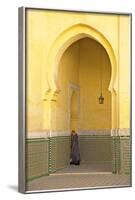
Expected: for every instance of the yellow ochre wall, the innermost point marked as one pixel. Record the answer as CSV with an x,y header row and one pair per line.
x,y
42,29
92,114
68,73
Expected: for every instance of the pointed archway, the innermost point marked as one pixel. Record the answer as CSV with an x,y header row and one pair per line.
x,y
65,39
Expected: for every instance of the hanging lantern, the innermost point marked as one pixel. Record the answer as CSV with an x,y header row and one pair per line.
x,y
101,99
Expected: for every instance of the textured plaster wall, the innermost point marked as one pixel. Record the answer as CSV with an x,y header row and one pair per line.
x,y
43,27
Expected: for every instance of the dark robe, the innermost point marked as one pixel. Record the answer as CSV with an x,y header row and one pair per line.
x,y
75,154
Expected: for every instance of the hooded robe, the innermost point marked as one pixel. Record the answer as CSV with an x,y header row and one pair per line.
x,y
75,154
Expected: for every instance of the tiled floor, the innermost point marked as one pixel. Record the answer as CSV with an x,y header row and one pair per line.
x,y
79,177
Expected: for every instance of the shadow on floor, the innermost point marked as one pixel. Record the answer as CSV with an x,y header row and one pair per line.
x,y
13,187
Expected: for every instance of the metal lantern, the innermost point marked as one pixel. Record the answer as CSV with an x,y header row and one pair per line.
x,y
101,99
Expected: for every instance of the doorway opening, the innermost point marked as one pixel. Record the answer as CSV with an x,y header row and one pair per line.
x,y
79,80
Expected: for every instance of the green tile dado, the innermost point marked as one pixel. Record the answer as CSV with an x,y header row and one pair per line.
x,y
37,151
116,154
59,155
121,155
95,149
125,156
47,155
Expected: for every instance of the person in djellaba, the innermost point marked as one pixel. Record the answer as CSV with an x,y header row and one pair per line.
x,y
75,154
